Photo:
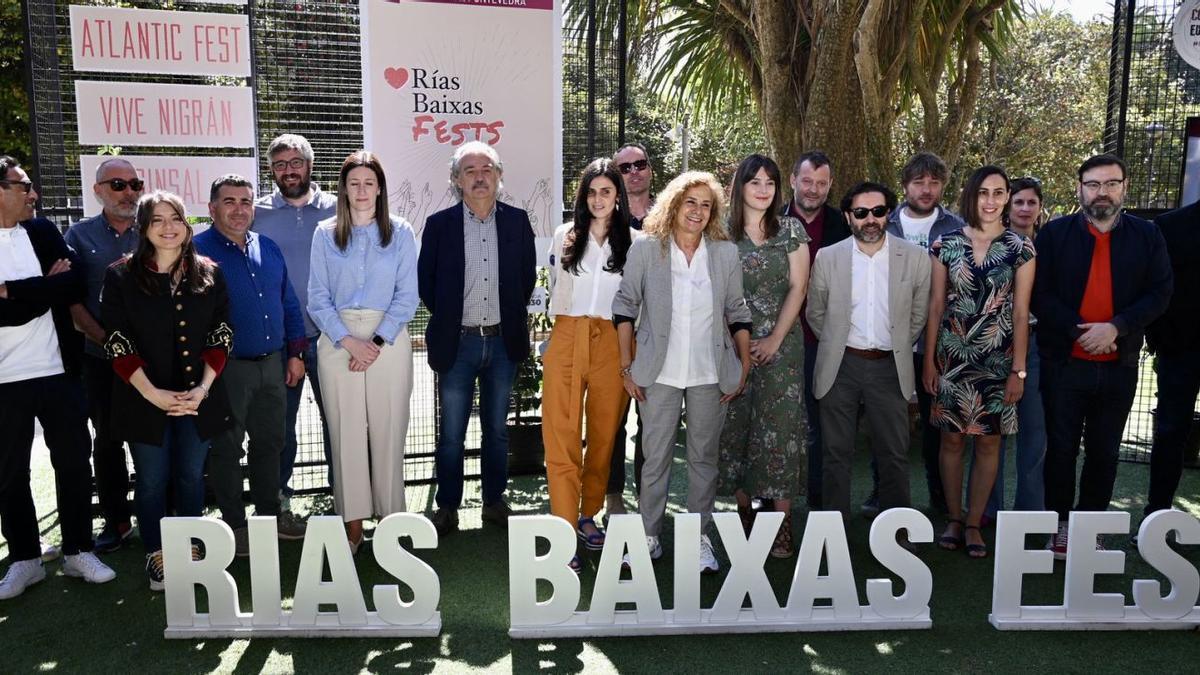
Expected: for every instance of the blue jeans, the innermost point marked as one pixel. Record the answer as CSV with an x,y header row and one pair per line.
x,y
178,463
483,358
287,460
1031,444
1178,385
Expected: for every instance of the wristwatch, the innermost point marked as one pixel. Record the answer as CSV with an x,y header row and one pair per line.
x,y
1019,373
379,342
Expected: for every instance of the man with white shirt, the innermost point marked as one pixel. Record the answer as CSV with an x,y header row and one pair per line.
x,y
39,379
867,301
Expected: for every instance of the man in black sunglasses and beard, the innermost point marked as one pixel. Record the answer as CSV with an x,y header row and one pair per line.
x,y
868,298
100,241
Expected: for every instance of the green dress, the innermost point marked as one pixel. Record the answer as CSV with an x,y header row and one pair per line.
x,y
975,339
763,440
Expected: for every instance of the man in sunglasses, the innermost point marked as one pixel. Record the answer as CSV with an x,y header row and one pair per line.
x,y
288,217
100,241
39,363
868,298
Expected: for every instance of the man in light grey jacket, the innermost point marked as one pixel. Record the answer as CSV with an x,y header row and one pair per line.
x,y
868,300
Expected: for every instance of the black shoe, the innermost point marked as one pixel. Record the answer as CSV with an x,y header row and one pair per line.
x,y
496,513
112,537
870,508
445,521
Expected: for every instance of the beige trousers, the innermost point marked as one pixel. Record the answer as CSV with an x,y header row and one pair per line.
x,y
367,414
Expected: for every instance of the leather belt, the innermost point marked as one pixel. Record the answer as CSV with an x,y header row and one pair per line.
x,y
260,357
482,331
869,354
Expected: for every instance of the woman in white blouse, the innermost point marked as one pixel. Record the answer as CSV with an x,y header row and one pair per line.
x,y
583,360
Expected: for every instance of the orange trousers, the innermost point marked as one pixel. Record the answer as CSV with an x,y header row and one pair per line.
x,y
582,361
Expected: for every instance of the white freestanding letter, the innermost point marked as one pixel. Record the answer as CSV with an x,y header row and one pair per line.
x,y
823,534
1014,561
1084,562
182,574
525,567
406,567
325,539
1185,582
264,570
918,581
686,603
625,531
746,573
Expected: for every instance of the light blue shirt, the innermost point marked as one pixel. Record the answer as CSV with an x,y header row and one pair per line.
x,y
364,276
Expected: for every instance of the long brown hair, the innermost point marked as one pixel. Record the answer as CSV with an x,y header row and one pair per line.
x,y
619,239
341,233
195,272
746,172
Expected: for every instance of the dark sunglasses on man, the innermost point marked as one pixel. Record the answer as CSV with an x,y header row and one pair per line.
x,y
630,167
119,184
861,212
25,185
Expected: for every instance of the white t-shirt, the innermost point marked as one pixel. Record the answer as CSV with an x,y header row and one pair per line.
x,y
689,360
30,350
916,230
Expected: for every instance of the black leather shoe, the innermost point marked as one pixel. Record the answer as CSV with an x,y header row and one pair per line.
x,y
445,521
497,513
112,537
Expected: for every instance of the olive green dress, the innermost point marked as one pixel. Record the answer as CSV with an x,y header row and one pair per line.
x,y
763,441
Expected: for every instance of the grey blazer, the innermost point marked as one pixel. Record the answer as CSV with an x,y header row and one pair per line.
x,y
645,295
829,290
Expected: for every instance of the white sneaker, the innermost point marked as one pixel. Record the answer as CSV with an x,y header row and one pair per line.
x,y
21,575
88,567
655,547
708,561
50,552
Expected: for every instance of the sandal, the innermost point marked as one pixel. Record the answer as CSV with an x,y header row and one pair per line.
x,y
747,516
785,546
951,542
593,541
976,550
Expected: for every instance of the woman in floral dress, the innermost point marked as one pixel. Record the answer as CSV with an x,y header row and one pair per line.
x,y
763,441
979,317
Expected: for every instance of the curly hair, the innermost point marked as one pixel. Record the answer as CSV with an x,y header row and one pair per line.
x,y
660,222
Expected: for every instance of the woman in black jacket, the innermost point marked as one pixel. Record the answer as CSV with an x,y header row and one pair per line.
x,y
166,311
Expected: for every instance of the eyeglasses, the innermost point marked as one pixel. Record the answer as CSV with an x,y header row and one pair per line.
x,y
630,167
25,185
861,212
293,163
119,184
1095,185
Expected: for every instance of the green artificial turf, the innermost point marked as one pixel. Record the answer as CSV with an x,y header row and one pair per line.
x,y
63,625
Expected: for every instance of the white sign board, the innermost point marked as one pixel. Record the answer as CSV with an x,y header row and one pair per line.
x,y
499,80
188,177
120,40
1186,32
176,115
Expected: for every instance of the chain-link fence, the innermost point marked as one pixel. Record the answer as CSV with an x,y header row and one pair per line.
x,y
306,75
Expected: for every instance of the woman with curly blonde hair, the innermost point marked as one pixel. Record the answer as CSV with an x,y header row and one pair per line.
x,y
682,288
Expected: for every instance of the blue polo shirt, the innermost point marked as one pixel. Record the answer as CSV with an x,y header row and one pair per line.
x,y
291,227
98,246
263,307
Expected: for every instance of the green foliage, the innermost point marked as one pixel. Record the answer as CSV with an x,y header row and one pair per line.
x,y
14,100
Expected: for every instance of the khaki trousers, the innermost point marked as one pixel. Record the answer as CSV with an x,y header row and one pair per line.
x,y
367,414
582,361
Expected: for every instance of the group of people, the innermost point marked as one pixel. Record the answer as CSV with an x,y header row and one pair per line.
x,y
768,325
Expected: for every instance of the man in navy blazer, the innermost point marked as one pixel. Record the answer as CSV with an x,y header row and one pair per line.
x,y
475,275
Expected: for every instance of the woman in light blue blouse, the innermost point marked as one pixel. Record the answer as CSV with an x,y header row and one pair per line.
x,y
362,292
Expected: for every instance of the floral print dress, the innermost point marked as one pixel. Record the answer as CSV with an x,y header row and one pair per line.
x,y
975,340
763,440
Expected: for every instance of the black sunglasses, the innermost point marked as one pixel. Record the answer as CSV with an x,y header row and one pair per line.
x,y
26,185
629,167
119,184
861,212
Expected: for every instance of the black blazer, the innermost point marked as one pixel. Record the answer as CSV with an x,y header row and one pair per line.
x,y
30,298
1141,281
169,333
1178,329
441,279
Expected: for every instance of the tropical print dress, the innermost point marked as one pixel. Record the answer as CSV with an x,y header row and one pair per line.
x,y
975,341
763,440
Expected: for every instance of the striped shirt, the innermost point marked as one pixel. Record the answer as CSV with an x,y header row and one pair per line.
x,y
481,287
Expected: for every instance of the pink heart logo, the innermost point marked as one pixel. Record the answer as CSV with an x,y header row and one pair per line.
x,y
396,77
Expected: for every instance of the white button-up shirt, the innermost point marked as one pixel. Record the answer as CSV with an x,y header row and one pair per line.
x,y
870,318
689,360
592,290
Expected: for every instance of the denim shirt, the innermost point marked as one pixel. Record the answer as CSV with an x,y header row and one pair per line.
x,y
364,276
98,246
291,227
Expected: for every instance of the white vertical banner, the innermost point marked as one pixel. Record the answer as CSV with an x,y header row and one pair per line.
x,y
440,73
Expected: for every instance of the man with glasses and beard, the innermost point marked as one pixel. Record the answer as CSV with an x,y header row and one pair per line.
x,y
868,298
288,217
1102,277
100,241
